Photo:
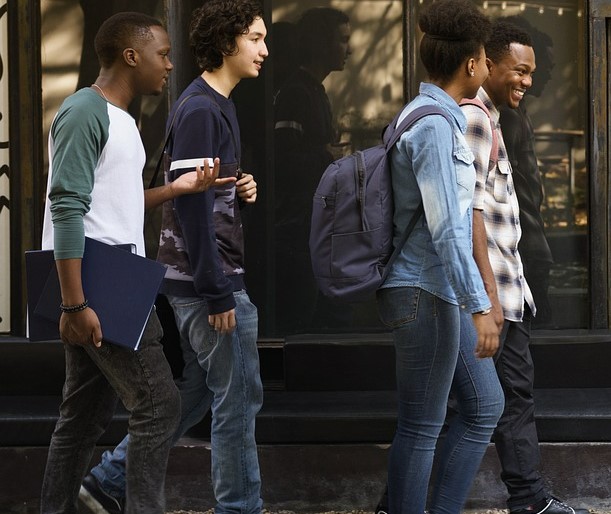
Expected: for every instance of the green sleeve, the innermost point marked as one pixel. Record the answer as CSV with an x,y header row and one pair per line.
x,y
79,134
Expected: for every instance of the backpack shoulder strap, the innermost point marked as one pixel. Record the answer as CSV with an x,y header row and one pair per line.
x,y
395,131
171,126
494,151
167,140
389,140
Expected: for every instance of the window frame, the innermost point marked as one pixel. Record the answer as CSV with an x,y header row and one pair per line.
x,y
599,39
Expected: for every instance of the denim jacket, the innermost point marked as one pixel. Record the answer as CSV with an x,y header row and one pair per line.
x,y
433,163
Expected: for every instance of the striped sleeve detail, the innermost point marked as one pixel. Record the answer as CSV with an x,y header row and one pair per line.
x,y
191,163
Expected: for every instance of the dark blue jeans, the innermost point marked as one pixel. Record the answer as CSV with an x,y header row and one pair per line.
x,y
515,438
435,353
95,379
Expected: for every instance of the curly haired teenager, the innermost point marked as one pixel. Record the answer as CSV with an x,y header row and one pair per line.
x,y
202,244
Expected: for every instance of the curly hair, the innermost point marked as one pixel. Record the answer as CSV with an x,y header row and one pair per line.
x,y
216,25
503,34
121,31
454,30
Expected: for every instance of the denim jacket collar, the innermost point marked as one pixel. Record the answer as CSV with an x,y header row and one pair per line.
x,y
439,95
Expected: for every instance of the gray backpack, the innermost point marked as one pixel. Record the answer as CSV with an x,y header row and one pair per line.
x,y
351,236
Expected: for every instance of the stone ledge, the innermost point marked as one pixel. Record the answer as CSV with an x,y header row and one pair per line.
x,y
321,478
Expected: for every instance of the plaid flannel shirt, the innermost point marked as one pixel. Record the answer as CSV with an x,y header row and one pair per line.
x,y
495,196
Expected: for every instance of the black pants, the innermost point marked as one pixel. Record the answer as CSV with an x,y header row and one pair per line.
x,y
515,437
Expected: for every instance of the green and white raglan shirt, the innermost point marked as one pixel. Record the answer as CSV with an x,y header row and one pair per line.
x,y
94,188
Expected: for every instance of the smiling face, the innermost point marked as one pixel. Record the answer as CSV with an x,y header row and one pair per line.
x,y
251,51
511,76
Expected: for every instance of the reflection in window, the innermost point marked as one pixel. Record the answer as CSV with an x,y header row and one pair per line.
x,y
337,82
350,106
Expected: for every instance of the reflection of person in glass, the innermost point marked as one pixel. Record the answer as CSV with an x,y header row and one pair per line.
x,y
520,142
303,133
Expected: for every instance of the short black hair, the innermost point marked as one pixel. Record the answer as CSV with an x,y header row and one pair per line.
x,y
316,29
503,35
122,30
540,40
454,30
216,25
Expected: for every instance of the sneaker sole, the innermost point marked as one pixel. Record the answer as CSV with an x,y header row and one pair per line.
x,y
88,501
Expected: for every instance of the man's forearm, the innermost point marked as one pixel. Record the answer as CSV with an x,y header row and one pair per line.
x,y
480,253
69,272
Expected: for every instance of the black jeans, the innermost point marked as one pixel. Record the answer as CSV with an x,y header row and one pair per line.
x,y
515,437
95,379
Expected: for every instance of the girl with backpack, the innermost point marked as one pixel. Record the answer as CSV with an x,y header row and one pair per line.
x,y
433,298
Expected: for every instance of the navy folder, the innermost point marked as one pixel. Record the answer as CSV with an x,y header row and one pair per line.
x,y
121,288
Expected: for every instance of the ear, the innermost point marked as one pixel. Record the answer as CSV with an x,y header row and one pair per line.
x,y
130,56
489,64
471,67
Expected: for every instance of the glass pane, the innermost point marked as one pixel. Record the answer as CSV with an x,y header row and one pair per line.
x,y
359,98
338,80
364,95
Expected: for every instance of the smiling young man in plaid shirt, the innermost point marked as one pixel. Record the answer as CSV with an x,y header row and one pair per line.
x,y
496,233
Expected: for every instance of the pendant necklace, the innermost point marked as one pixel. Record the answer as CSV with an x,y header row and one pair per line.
x,y
101,91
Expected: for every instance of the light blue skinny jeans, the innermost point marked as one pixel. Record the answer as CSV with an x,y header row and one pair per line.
x,y
435,353
221,372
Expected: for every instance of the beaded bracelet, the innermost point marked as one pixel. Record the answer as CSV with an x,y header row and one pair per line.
x,y
69,309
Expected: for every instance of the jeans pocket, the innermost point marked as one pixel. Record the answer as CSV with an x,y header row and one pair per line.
x,y
398,306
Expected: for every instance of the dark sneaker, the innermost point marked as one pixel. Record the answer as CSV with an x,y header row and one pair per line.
x,y
382,507
550,506
97,501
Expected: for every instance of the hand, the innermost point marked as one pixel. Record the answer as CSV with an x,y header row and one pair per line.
x,y
223,322
246,188
487,335
81,328
200,180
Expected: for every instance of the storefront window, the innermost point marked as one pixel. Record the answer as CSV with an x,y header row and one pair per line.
x,y
337,81
362,93
332,92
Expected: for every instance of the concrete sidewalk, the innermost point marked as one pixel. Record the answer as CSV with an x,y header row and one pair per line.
x,y
331,512
468,511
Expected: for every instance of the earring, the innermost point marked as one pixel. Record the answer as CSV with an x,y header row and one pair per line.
x,y
472,73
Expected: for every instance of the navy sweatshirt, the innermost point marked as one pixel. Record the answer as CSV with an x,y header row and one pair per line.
x,y
201,238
